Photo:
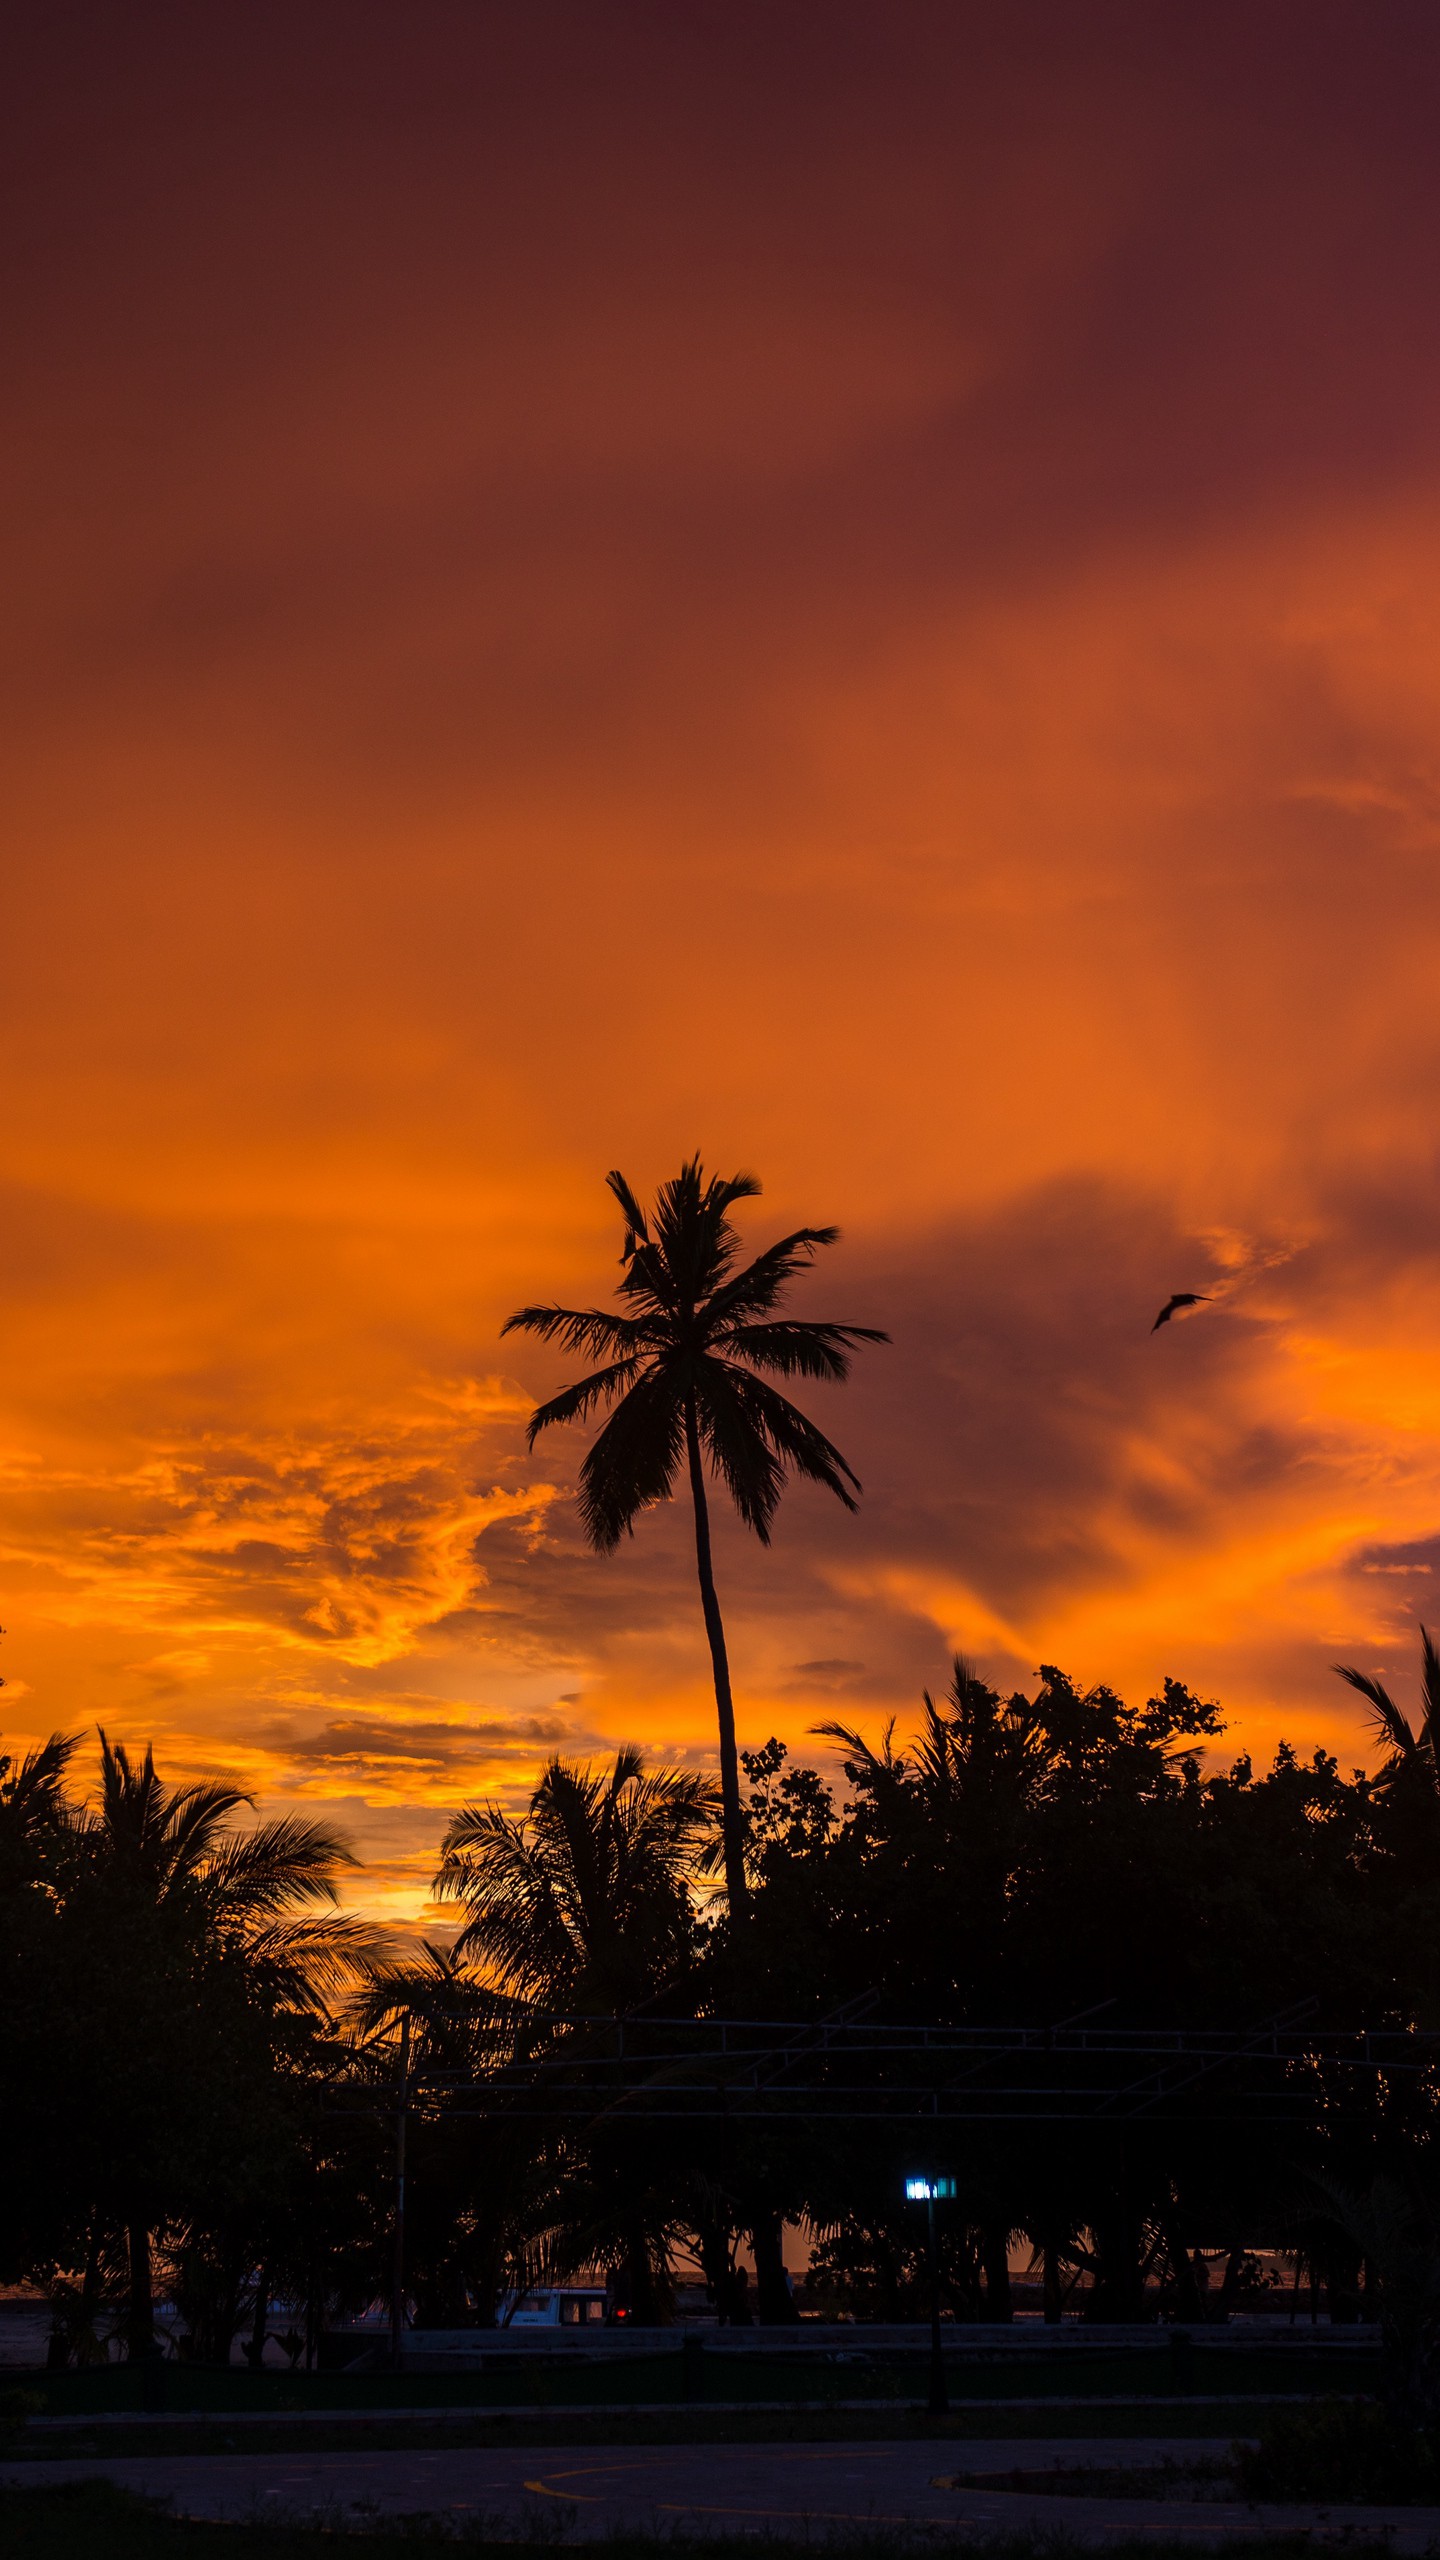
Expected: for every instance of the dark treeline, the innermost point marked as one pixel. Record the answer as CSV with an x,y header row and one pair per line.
x,y
201,2053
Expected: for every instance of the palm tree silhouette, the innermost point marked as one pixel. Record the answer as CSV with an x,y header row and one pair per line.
x,y
679,1371
585,1905
170,1860
1413,1760
34,1814
174,1849
585,1901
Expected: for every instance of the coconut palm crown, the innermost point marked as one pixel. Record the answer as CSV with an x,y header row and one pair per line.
x,y
679,1368
174,1849
586,1900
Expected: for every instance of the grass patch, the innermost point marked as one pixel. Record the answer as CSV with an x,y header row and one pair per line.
x,y
696,2425
881,2375
87,2520
1342,2452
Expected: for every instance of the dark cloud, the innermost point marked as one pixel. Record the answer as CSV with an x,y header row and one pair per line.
x,y
425,1743
977,300
1417,1556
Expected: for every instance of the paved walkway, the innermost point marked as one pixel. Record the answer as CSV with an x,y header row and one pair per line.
x,y
584,2493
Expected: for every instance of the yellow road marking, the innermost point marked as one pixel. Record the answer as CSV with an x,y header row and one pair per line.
x,y
1208,2520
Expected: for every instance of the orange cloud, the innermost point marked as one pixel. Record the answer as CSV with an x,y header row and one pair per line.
x,y
872,614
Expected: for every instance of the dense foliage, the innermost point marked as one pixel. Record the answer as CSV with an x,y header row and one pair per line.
x,y
204,2058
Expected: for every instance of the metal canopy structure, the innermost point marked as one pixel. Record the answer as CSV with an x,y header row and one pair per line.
x,y
774,2072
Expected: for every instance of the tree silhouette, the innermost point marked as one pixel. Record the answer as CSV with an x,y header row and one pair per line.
x,y
34,1814
585,1905
680,1365
1413,1763
171,1890
585,1901
173,1849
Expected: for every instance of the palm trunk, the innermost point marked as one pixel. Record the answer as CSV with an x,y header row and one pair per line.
x,y
140,2319
713,2245
1188,2302
776,2304
995,2256
735,1885
261,2320
1053,2292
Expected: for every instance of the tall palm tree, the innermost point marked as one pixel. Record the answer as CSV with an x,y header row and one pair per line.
x,y
1414,1756
169,1870
585,1900
679,1370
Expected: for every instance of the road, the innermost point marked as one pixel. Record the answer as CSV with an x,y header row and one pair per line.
x,y
586,2493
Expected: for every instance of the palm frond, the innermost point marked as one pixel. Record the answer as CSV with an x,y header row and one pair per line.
x,y
753,1435
694,1239
1430,1694
883,1763
636,1230
755,1290
726,1189
573,1813
489,1864
195,1820
254,1874
401,1982
515,1923
634,1460
668,1806
648,1286
319,1960
438,1992
133,1803
474,1826
587,1896
799,1441
792,1349
167,1835
738,1447
1389,1724
32,1799
572,1404
615,1842
593,1330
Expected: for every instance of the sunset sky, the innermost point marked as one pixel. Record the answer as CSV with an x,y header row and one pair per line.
x,y
851,587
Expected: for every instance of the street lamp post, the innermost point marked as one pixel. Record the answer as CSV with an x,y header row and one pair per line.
x,y
928,2191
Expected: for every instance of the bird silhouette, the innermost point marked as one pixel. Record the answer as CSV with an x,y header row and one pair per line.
x,y
1182,1298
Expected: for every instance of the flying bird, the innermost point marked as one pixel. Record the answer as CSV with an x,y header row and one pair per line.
x,y
1182,1298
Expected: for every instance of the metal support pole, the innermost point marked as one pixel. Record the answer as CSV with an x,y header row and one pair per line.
x,y
402,2109
939,2403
